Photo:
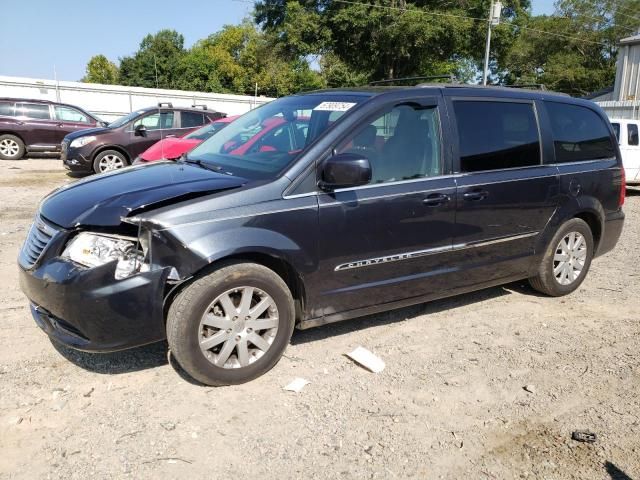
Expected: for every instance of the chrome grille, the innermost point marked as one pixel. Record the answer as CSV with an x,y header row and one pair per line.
x,y
40,234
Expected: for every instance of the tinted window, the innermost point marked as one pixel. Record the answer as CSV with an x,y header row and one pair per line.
x,y
632,134
7,109
68,114
496,135
401,144
616,130
38,111
156,121
192,119
579,134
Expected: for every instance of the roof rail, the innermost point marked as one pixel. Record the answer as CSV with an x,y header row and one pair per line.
x,y
167,104
451,77
531,86
199,105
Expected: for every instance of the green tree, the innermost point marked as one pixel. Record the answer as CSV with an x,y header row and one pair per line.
x,y
237,57
573,51
378,39
156,63
101,70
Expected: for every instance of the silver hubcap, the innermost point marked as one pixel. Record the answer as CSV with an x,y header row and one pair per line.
x,y
110,162
238,327
569,258
9,147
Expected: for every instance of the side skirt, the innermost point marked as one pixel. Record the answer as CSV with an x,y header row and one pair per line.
x,y
406,302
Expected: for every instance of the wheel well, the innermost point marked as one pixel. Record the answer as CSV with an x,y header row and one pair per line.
x,y
111,147
15,135
279,266
593,221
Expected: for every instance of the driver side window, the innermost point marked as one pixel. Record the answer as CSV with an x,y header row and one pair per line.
x,y
403,143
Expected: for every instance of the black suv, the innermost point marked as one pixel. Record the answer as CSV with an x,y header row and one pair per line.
x,y
397,196
38,126
120,142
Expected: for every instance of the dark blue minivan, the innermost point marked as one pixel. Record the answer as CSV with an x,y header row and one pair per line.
x,y
360,201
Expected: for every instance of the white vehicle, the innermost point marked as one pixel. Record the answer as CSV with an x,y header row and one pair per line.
x,y
627,133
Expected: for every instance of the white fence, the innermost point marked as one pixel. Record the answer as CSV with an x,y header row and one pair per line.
x,y
629,109
111,101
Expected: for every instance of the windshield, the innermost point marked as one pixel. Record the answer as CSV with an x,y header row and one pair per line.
x,y
126,119
206,131
264,141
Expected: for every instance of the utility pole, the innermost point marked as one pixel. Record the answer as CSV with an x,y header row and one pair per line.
x,y
495,10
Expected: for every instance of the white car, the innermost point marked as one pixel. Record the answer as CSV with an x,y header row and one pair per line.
x,y
627,133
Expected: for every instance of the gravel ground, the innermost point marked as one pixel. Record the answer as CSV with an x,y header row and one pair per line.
x,y
450,403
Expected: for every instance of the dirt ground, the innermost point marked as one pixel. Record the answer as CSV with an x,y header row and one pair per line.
x,y
450,403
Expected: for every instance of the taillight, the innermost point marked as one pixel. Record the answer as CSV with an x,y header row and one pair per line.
x,y
623,188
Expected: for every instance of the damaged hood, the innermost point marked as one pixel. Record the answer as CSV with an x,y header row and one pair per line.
x,y
102,200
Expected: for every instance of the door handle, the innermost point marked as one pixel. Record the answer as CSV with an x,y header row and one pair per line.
x,y
475,195
435,199
170,136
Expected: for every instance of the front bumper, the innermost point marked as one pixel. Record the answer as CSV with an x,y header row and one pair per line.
x,y
73,159
88,309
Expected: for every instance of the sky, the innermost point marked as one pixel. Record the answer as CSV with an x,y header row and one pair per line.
x,y
62,35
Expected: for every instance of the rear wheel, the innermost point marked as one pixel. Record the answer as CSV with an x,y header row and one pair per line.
x,y
566,261
109,160
11,147
232,325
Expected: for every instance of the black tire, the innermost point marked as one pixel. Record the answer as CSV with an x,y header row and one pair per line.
x,y
10,144
184,330
545,281
108,155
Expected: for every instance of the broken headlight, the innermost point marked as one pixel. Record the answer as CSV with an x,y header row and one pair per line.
x,y
93,250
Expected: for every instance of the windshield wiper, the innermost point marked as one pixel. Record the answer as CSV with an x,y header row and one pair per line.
x,y
200,163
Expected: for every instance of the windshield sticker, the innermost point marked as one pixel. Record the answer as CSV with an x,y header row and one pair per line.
x,y
334,106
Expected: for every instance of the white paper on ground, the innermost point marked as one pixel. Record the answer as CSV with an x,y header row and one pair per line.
x,y
367,359
297,384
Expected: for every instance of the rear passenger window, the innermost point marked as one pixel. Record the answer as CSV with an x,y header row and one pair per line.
x,y
579,133
632,133
38,111
7,109
192,119
403,143
496,135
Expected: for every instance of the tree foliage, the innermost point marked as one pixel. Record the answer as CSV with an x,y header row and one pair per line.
x,y
101,70
293,45
578,56
156,62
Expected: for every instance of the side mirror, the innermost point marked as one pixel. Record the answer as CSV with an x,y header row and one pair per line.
x,y
140,131
345,170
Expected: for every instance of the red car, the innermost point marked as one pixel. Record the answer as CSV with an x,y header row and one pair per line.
x,y
273,134
171,148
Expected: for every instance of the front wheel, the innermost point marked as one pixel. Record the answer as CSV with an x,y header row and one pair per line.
x,y
567,260
108,161
231,326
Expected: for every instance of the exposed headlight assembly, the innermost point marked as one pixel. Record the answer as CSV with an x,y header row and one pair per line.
x,y
82,141
93,250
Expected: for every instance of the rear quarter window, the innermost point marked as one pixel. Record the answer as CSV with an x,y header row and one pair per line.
x,y
7,109
579,133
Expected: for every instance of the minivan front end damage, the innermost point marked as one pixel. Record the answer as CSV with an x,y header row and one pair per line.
x,y
100,291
